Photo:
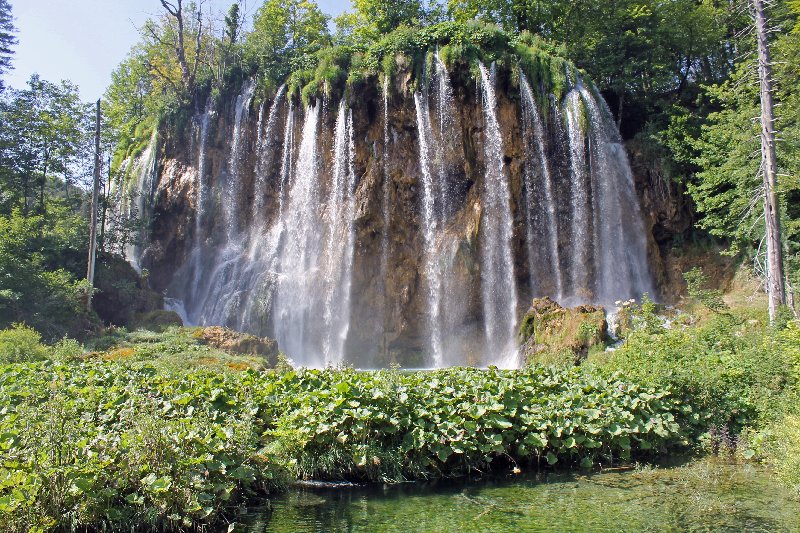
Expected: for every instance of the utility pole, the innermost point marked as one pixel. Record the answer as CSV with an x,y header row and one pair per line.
x,y
769,168
95,198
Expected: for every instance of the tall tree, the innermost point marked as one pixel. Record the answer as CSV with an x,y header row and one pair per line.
x,y
386,15
282,31
769,166
7,39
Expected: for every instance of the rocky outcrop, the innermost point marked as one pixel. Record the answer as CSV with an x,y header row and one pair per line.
x,y
550,333
236,343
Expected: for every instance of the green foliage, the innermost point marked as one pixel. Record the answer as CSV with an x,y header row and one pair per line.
x,y
728,189
729,372
283,32
697,287
35,288
98,444
384,16
132,443
43,132
19,344
7,39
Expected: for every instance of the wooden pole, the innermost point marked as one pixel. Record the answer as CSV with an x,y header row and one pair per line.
x,y
95,198
769,167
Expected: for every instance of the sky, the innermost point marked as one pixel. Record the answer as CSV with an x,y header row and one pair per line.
x,y
84,40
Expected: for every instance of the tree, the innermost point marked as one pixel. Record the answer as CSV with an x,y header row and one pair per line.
x,y
284,30
7,39
731,187
386,15
769,167
175,47
43,133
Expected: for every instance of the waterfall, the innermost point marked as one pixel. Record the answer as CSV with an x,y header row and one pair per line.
x,y
498,286
581,217
311,304
385,207
533,133
142,195
195,262
432,274
273,251
232,184
266,153
341,237
620,244
298,260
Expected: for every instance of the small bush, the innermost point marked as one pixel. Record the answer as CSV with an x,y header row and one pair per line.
x,y
67,350
19,344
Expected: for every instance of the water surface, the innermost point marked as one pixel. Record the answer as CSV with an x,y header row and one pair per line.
x,y
708,495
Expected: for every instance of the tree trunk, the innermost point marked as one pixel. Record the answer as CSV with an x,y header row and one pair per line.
x,y
93,223
769,165
43,181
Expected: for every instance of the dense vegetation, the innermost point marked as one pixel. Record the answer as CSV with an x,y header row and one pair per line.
x,y
146,429
161,429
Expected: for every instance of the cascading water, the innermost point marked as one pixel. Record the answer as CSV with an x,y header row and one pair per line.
x,y
311,306
265,151
620,243
283,236
141,198
232,183
444,295
298,258
538,229
339,259
581,216
385,213
433,282
498,287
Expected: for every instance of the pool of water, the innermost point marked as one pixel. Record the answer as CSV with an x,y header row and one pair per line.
x,y
707,495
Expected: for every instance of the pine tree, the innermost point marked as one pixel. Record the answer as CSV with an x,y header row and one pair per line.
x,y
7,39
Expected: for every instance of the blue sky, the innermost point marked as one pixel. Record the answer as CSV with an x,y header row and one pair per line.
x,y
83,40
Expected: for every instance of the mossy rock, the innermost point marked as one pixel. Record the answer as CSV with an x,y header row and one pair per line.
x,y
158,320
551,334
236,343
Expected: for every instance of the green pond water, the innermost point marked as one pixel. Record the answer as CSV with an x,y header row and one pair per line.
x,y
707,495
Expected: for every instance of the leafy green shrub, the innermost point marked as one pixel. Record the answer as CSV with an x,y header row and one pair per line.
x,y
727,372
122,443
19,343
388,425
67,350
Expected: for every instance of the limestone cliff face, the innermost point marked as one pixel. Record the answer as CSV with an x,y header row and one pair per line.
x,y
234,171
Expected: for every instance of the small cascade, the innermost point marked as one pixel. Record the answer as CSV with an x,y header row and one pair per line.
x,y
266,153
296,291
498,287
385,203
581,216
339,247
142,194
541,218
619,233
232,184
196,259
432,273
